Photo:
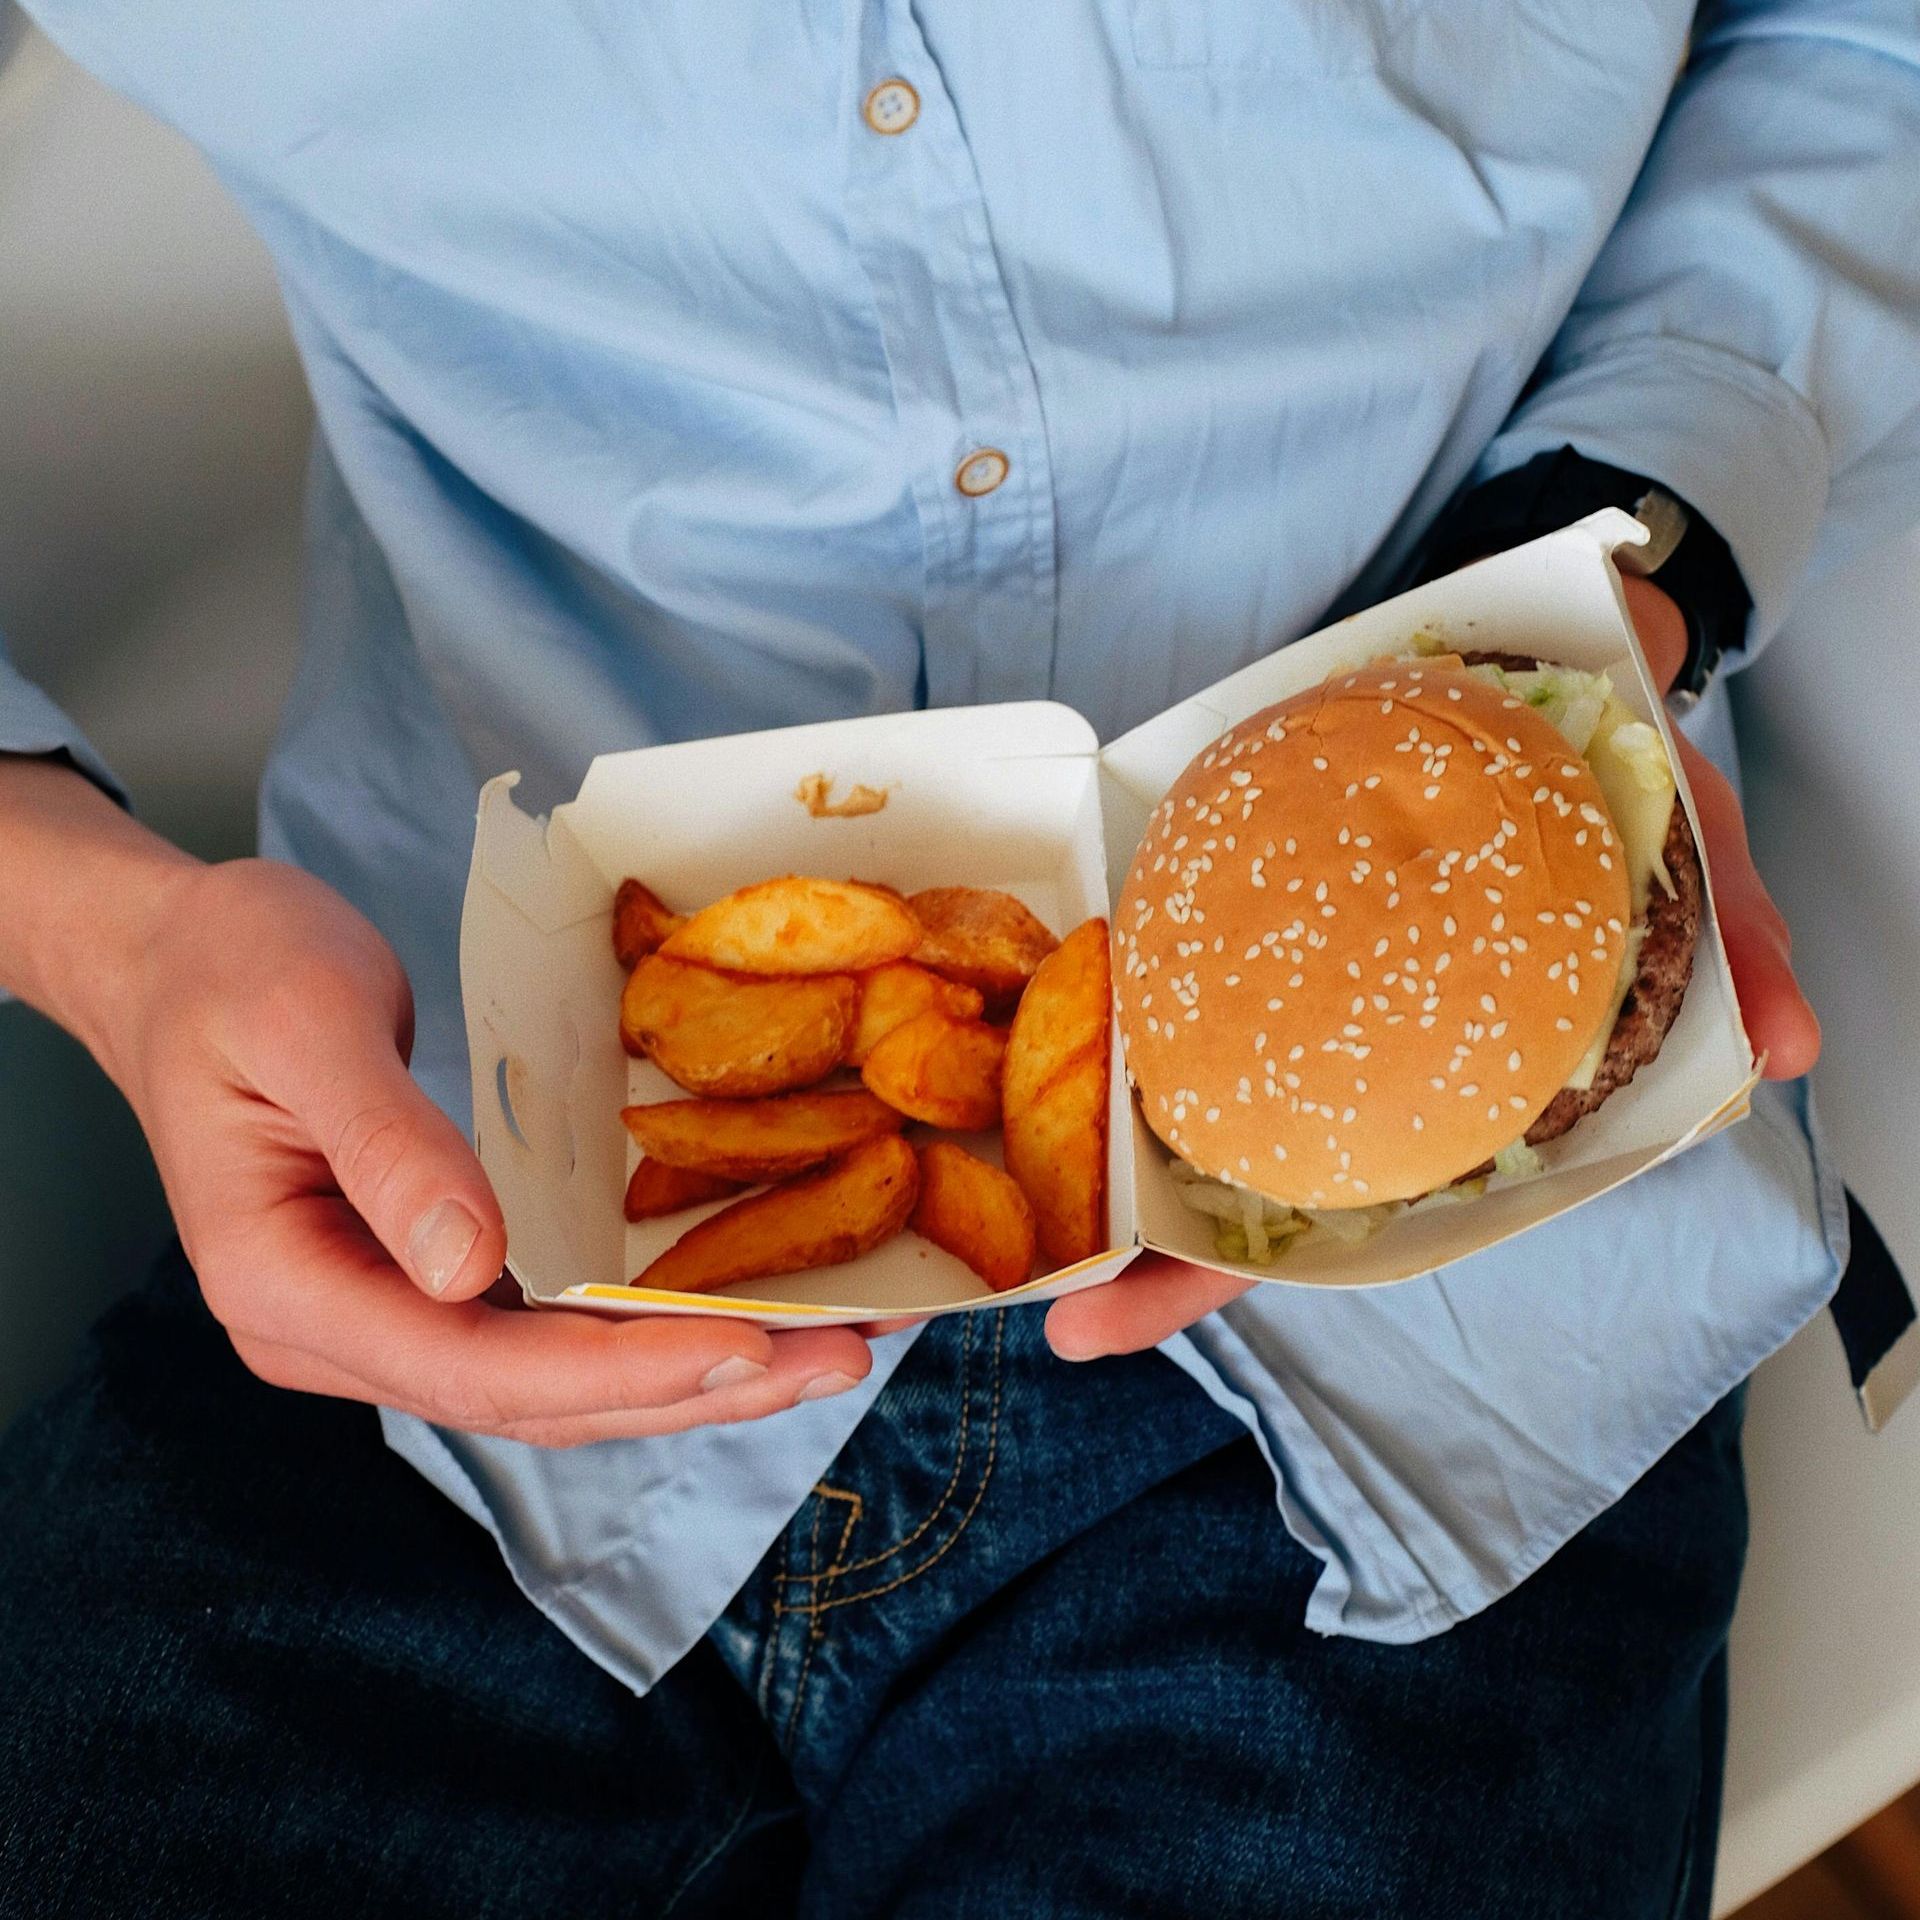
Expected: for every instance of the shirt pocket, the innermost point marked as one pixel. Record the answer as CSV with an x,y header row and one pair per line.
x,y
1272,36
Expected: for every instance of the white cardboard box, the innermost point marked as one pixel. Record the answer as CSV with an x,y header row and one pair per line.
x,y
1019,797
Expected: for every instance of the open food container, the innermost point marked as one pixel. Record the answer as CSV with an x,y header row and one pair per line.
x,y
1019,797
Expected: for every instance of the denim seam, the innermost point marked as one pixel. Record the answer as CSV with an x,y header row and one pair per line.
x,y
940,1506
816,1626
725,1840
765,1689
966,1518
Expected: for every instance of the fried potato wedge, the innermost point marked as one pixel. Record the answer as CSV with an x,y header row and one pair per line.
x,y
657,1189
976,1213
979,937
1065,1010
892,995
755,1140
799,925
641,921
1057,1151
736,1037
846,1209
1056,1088
940,1070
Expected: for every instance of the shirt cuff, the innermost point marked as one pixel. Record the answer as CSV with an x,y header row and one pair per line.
x,y
31,724
1732,440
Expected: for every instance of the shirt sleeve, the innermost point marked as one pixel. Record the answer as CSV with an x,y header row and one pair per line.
x,y
31,723
1750,333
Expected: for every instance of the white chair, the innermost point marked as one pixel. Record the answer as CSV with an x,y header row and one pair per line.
x,y
152,424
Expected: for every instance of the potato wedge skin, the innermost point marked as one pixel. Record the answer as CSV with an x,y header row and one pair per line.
x,y
798,925
641,921
754,1140
1066,1009
980,937
656,1189
1056,1089
736,1038
844,1210
892,995
940,1070
976,1213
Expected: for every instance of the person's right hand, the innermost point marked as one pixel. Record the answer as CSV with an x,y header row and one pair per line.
x,y
341,1227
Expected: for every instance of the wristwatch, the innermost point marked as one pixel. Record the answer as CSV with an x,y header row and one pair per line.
x,y
1684,553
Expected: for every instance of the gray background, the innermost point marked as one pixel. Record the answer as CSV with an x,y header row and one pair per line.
x,y
153,429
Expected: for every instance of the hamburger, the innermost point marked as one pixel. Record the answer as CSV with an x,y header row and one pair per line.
x,y
1381,941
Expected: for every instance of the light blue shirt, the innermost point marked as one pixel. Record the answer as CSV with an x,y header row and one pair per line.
x,y
645,363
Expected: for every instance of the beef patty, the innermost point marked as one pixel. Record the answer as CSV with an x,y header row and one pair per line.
x,y
1659,981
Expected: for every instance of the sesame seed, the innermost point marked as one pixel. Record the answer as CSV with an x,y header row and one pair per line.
x,y
1513,1062
1279,1152
1418,1123
1347,1114
1488,1004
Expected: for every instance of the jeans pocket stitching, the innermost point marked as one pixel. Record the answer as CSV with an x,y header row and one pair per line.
x,y
940,1507
816,1624
940,1552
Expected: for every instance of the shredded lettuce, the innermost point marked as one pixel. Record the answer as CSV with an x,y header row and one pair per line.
x,y
1249,1227
1571,700
1518,1162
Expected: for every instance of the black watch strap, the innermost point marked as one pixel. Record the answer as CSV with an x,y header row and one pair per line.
x,y
1688,558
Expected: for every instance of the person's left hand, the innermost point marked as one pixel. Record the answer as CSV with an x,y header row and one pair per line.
x,y
1157,1296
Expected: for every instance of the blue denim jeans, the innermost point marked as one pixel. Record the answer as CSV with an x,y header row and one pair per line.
x,y
1033,1647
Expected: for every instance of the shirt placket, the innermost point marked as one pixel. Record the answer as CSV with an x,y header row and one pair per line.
x,y
966,402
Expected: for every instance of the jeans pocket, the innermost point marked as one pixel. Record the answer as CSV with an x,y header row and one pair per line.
x,y
1271,36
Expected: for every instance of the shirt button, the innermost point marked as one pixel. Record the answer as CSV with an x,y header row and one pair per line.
x,y
980,472
892,107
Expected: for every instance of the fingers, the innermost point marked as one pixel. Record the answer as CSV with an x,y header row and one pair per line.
x,y
801,1368
405,1167
322,1291
1779,1021
1661,626
308,1276
1151,1301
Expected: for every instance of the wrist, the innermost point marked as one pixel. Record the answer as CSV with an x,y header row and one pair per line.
x,y
84,890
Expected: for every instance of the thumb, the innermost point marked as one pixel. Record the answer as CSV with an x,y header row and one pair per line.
x,y
408,1171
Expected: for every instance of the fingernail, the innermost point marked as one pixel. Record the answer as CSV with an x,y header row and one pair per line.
x,y
823,1386
733,1372
441,1239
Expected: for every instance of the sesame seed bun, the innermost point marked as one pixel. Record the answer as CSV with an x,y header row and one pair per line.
x,y
1367,936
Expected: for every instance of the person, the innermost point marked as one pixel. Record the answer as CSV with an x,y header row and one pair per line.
x,y
684,370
